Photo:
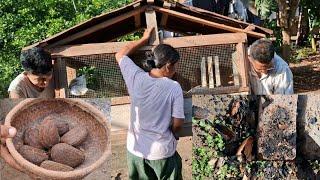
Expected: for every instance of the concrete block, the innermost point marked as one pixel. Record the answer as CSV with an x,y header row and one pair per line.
x,y
309,126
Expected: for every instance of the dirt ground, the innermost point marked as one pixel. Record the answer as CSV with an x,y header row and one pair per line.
x,y
306,75
119,153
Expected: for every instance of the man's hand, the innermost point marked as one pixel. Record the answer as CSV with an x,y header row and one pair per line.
x,y
8,132
147,33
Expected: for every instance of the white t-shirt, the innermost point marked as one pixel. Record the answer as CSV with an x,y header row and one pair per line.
x,y
154,101
23,87
278,81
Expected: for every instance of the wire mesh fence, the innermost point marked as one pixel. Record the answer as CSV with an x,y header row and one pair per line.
x,y
104,78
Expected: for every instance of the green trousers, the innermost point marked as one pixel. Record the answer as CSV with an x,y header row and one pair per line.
x,y
163,169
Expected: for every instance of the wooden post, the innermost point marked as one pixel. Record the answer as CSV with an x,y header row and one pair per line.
x,y
243,64
151,21
137,20
299,28
235,66
60,77
210,72
203,72
313,43
164,20
71,74
217,71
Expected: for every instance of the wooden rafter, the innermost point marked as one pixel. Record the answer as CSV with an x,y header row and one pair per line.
x,y
208,23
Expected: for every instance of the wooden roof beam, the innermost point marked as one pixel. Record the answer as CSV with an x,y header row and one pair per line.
x,y
207,23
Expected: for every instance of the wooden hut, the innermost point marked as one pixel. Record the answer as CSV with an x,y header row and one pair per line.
x,y
212,48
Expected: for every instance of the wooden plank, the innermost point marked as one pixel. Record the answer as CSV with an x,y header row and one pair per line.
x,y
210,72
176,42
203,70
120,100
205,40
60,76
151,20
150,1
220,90
207,23
97,27
243,64
217,71
90,49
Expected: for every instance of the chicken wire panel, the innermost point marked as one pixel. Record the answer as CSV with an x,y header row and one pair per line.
x,y
104,78
102,74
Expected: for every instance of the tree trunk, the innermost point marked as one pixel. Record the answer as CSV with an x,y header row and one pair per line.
x,y
286,44
286,20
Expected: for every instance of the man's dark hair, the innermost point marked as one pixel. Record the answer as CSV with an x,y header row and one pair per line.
x,y
262,50
36,60
161,55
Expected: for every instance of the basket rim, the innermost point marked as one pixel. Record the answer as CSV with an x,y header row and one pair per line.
x,y
37,170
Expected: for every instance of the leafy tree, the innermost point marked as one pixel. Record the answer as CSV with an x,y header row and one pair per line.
x,y
313,8
24,22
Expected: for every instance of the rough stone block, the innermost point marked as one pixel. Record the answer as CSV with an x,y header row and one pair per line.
x,y
277,127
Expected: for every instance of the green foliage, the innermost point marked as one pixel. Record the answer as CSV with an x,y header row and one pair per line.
x,y
24,22
131,37
228,170
265,7
209,136
302,53
214,146
200,166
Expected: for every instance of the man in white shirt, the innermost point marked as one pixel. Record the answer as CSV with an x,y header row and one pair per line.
x,y
157,112
269,73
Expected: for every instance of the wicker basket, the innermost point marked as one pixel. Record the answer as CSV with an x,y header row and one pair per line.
x,y
75,112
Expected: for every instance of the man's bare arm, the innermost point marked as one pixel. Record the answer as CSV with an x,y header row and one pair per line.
x,y
135,45
177,124
14,95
